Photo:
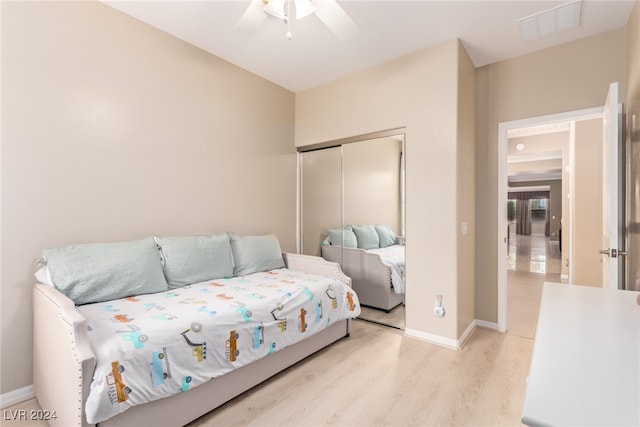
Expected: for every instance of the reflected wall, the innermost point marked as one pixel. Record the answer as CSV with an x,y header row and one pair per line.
x,y
321,196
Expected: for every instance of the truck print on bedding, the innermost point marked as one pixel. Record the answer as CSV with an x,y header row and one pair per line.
x,y
151,346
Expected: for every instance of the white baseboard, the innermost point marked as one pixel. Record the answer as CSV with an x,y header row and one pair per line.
x,y
430,338
466,334
16,396
443,341
448,342
487,325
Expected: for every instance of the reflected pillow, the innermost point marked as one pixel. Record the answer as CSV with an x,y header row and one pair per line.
x,y
97,272
194,259
252,254
386,235
367,236
345,238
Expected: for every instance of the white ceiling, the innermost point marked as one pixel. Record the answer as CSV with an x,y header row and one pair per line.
x,y
387,29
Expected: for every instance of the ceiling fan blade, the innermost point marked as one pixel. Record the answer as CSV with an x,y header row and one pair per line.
x,y
304,8
275,8
334,17
252,18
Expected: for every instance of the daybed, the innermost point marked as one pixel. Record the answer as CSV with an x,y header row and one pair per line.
x,y
373,257
306,310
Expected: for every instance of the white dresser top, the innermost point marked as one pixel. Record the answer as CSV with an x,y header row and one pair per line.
x,y
585,368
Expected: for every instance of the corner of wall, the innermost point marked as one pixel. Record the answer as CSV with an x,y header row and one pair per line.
x,y
466,191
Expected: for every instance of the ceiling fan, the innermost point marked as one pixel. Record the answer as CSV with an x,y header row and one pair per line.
x,y
328,11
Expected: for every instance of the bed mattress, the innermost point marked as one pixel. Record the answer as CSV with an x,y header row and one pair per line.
x,y
152,346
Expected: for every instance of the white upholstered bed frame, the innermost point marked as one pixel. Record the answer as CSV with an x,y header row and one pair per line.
x,y
371,278
64,362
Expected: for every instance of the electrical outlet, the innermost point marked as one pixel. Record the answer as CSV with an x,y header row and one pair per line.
x,y
438,309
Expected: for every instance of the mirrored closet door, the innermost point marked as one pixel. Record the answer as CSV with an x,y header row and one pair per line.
x,y
352,212
321,196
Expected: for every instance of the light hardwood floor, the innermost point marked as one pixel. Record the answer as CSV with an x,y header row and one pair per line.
x,y
379,377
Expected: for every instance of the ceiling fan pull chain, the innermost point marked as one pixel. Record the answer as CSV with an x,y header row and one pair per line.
x,y
286,20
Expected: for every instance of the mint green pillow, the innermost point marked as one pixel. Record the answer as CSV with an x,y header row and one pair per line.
x,y
97,272
386,235
252,254
344,238
193,259
367,236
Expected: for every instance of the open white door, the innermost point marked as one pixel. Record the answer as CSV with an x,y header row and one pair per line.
x,y
612,196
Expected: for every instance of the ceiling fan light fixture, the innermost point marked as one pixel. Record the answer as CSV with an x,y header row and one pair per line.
x,y
329,12
275,8
304,8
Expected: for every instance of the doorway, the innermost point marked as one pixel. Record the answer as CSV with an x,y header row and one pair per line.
x,y
559,226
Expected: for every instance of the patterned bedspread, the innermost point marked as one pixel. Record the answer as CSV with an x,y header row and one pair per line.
x,y
393,256
151,346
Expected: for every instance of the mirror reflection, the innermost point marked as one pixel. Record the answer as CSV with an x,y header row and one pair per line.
x,y
321,196
353,213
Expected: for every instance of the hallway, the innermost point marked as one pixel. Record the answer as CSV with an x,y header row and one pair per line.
x,y
532,261
534,254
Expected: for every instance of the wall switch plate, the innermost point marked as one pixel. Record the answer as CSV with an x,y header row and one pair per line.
x,y
463,228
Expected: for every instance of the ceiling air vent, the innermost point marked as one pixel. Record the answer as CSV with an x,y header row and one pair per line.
x,y
551,21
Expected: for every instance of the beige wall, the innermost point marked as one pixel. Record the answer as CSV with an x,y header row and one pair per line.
x,y
113,130
372,182
633,144
587,203
550,81
321,196
419,92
